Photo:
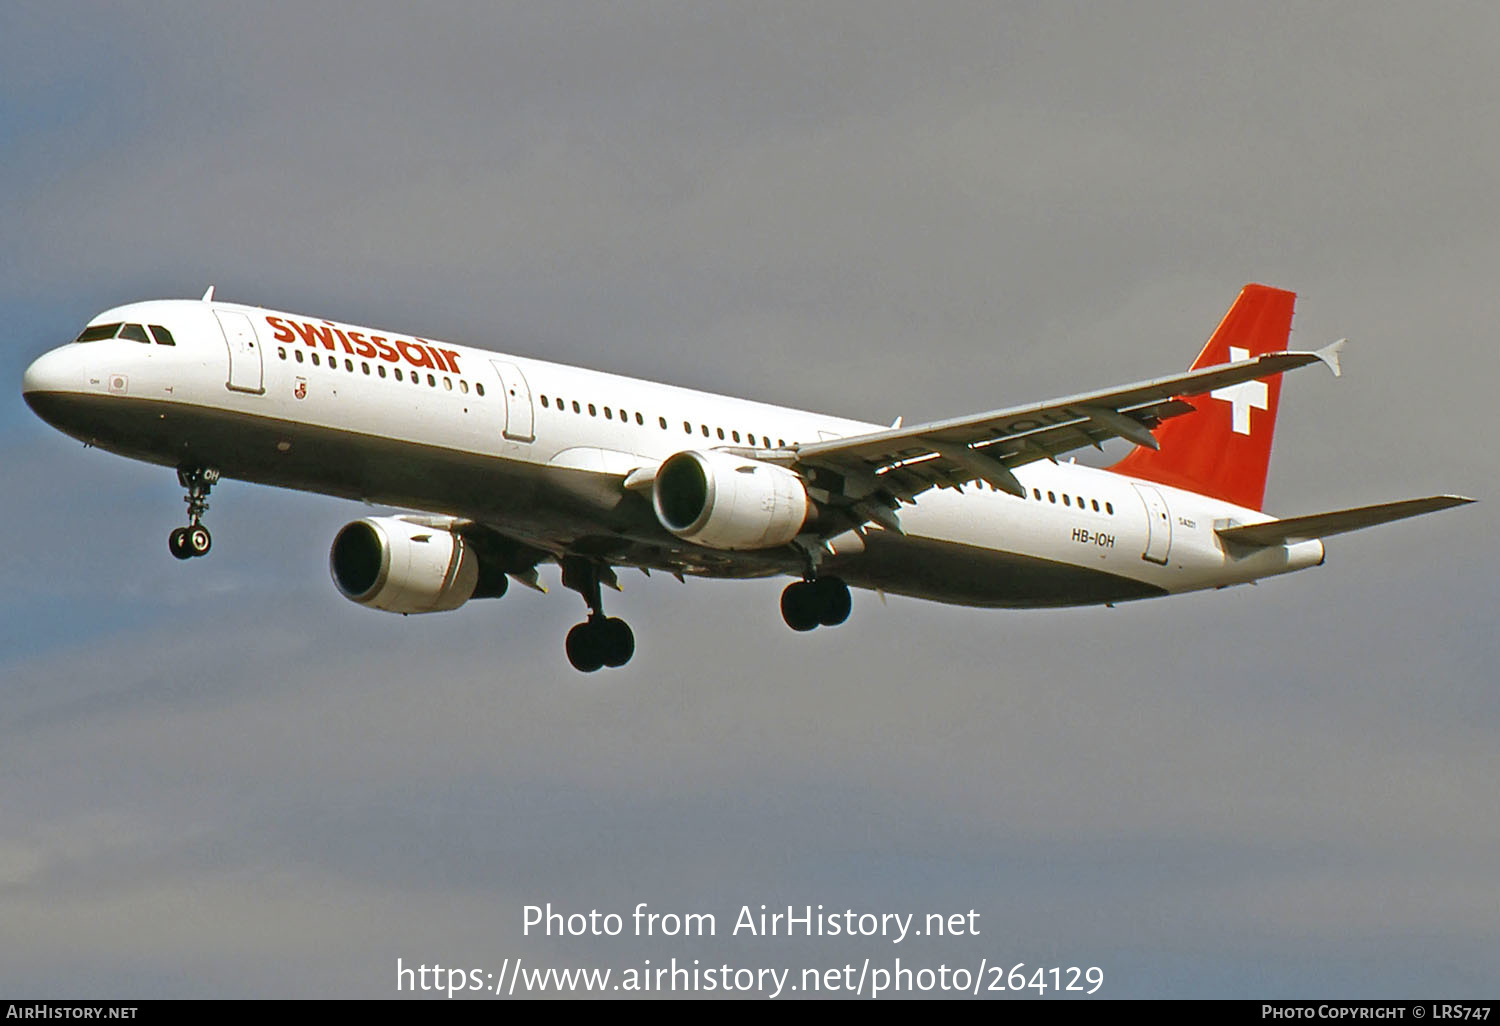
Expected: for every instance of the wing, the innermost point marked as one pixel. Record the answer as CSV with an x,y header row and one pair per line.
x,y
877,471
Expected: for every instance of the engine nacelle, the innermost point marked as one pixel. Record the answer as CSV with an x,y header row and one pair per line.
x,y
728,502
390,564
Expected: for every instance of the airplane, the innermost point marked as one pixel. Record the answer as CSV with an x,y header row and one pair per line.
x,y
509,463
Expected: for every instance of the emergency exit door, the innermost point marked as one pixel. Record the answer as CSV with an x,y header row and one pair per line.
x,y
518,413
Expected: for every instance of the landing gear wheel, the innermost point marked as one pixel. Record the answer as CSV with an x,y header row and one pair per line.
x,y
599,641
198,540
583,648
834,603
823,601
799,606
194,539
617,641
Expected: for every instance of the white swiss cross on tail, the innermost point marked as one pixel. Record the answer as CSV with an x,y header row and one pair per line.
x,y
1205,451
1244,396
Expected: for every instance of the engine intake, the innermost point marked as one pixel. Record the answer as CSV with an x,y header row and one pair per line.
x,y
729,502
388,563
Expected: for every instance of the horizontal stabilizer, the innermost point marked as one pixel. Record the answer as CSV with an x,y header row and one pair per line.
x,y
1321,525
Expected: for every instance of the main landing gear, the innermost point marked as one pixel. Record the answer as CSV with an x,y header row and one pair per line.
x,y
600,640
194,539
820,602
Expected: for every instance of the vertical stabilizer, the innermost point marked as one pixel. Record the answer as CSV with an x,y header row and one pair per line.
x,y
1223,448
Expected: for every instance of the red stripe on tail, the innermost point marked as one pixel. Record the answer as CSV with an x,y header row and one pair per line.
x,y
1223,448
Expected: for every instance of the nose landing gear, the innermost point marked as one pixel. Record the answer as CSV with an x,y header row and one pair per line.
x,y
194,539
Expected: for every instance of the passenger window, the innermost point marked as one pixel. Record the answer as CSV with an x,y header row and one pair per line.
x,y
1052,497
281,352
163,336
447,384
1095,503
315,360
1109,508
687,428
576,407
663,422
348,364
705,430
593,412
544,402
364,366
1065,500
380,369
135,332
721,434
641,421
1036,493
431,381
736,435
479,387
99,332
299,356
607,414
463,386
398,374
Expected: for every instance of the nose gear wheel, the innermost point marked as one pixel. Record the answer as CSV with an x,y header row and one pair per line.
x,y
194,539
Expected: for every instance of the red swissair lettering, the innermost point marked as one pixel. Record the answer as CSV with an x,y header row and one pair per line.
x,y
418,352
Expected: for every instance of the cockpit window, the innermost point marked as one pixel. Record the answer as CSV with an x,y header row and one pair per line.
x,y
134,332
99,332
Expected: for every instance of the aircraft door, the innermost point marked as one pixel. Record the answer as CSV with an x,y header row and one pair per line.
x,y
1158,525
246,373
518,412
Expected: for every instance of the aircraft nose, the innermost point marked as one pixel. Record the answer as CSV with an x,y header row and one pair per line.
x,y
52,383
50,372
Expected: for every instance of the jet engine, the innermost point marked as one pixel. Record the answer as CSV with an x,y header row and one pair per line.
x,y
728,502
401,567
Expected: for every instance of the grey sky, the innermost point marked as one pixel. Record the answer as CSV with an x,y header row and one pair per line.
x,y
223,779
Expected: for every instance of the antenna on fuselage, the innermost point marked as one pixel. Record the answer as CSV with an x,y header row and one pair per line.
x,y
208,297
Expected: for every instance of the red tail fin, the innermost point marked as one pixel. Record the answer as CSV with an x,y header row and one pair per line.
x,y
1223,448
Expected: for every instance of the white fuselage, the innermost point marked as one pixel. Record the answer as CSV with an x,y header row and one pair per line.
x,y
538,450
